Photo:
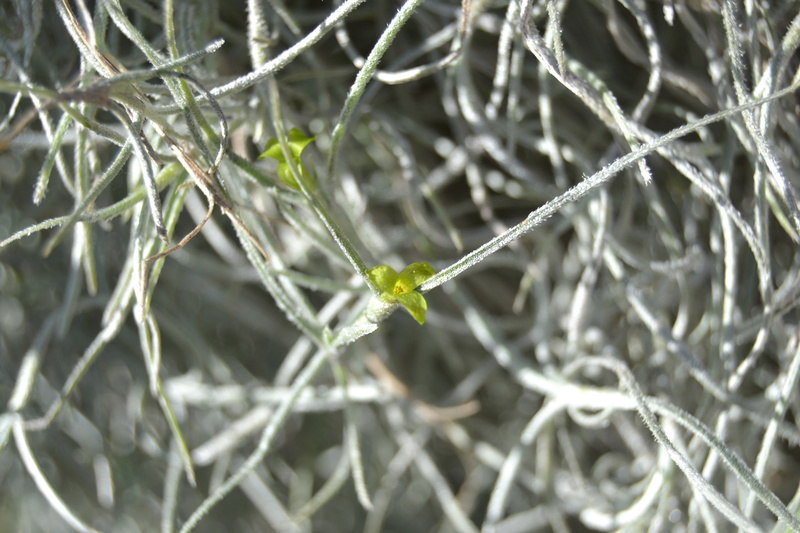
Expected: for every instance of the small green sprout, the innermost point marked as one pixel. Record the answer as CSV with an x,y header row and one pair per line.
x,y
297,142
400,287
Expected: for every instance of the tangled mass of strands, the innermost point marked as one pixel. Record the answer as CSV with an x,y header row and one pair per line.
x,y
503,266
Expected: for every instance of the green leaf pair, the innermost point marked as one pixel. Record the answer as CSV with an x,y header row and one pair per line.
x,y
297,142
400,287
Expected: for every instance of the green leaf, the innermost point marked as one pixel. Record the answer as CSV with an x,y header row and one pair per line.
x,y
384,278
286,176
297,142
400,287
273,150
412,277
415,304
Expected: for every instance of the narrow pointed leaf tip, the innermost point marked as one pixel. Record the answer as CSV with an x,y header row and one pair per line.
x,y
400,287
297,142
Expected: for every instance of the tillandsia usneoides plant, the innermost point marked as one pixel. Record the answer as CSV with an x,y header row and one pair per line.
x,y
586,211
